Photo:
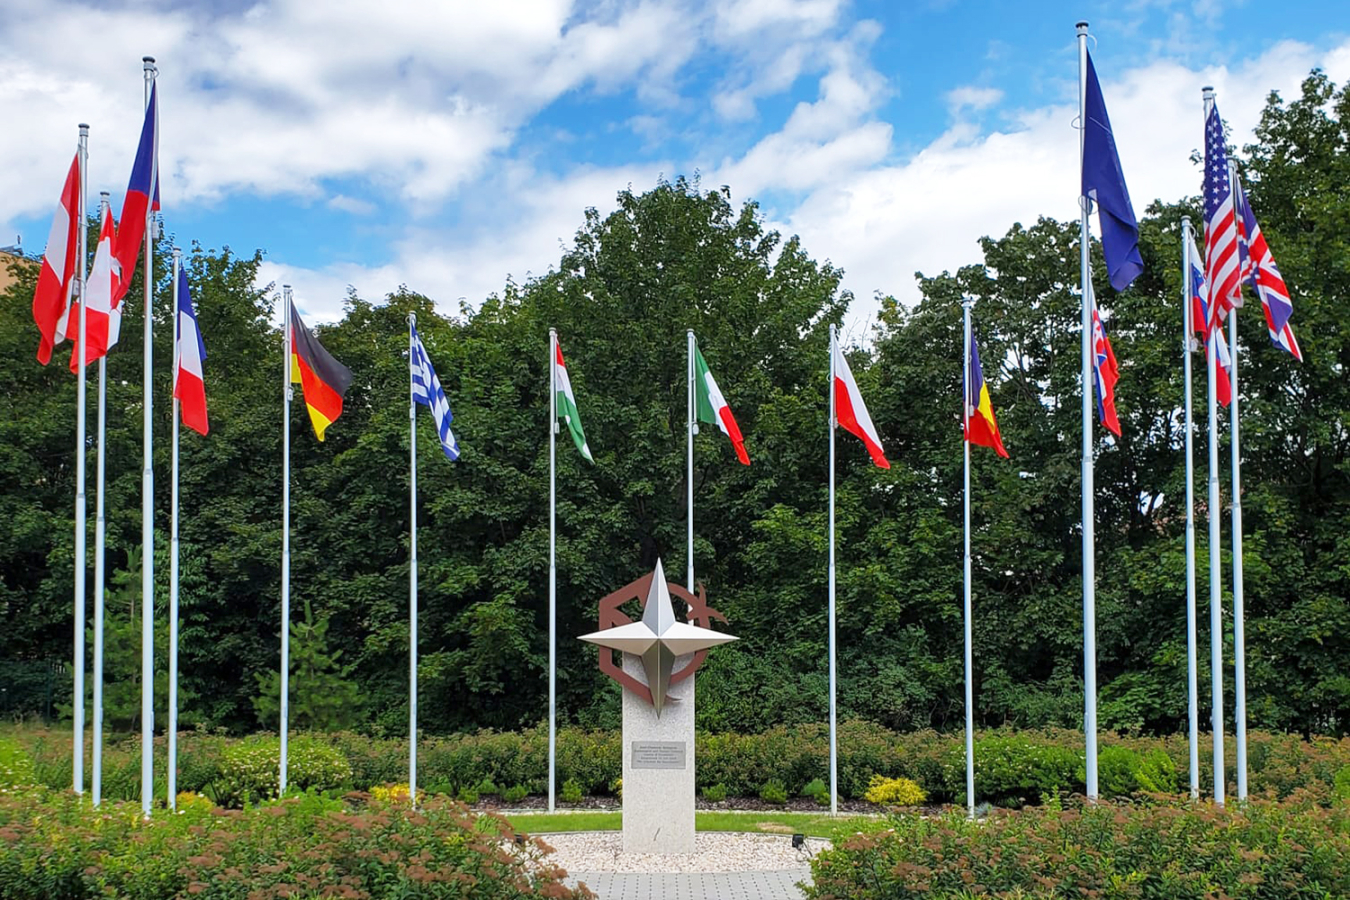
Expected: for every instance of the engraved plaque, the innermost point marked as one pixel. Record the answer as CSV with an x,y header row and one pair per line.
x,y
658,754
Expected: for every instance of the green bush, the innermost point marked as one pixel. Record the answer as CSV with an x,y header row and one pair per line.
x,y
515,793
1014,768
53,847
1341,790
715,793
250,770
773,792
16,766
817,790
885,791
571,792
1292,849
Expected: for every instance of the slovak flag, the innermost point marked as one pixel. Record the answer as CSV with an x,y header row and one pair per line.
x,y
1223,381
142,196
1107,374
849,409
103,317
188,387
51,300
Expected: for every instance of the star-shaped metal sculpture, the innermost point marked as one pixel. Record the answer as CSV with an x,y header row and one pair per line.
x,y
658,639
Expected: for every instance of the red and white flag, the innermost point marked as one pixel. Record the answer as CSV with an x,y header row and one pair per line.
x,y
189,388
849,409
103,318
51,300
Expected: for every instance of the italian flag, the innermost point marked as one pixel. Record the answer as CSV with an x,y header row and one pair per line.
x,y
567,402
712,406
851,412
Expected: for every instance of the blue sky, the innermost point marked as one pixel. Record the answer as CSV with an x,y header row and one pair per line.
x,y
449,145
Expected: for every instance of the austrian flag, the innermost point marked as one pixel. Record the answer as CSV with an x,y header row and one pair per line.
x,y
849,409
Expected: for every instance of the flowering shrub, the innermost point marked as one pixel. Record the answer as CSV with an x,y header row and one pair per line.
x,y
894,792
1292,849
251,769
16,766
56,847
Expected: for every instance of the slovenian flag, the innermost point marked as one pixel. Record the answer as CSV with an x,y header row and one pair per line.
x,y
189,387
142,197
713,408
849,409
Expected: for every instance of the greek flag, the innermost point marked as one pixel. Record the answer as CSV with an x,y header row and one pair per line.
x,y
426,390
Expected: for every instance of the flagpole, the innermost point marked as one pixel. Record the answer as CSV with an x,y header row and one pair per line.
x,y
834,735
1239,637
692,430
967,401
1187,345
1215,576
1089,549
286,391
148,500
552,568
171,777
81,553
412,569
100,545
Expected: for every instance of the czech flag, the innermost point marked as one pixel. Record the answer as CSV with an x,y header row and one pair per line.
x,y
321,377
980,425
142,197
189,388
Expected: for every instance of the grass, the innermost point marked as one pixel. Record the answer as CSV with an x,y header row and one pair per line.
x,y
811,824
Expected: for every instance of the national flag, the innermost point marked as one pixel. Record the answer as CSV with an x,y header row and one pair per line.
x,y
1265,277
1223,260
51,300
1104,183
426,390
849,409
322,378
103,317
1223,381
1107,373
189,385
980,426
713,408
142,196
566,402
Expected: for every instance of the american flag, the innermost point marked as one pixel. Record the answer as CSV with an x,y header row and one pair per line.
x,y
426,390
1223,263
1259,268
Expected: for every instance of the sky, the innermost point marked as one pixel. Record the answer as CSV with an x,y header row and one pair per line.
x,y
450,145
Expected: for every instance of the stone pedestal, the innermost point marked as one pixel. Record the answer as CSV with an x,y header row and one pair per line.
x,y
658,767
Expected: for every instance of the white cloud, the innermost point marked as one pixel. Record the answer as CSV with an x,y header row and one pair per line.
x,y
972,97
351,205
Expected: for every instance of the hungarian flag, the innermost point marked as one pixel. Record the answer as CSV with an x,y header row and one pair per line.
x,y
142,197
712,406
103,317
849,409
567,402
189,388
51,300
981,427
322,379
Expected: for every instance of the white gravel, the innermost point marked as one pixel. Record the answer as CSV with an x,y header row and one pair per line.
x,y
714,851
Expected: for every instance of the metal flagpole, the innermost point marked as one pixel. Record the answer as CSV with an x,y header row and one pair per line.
x,y
1215,576
1187,346
834,736
286,392
692,430
412,568
1239,638
171,777
967,402
1089,549
81,553
148,499
552,569
100,543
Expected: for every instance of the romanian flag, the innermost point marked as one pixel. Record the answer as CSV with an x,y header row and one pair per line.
x,y
981,428
322,379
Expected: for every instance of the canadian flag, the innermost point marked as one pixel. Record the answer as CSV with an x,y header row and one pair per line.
x,y
51,300
103,317
849,409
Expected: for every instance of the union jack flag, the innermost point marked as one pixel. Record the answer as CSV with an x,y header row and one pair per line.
x,y
1107,373
1258,267
1223,261
1223,381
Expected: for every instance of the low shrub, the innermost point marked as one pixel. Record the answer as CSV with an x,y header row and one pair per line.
x,y
885,791
817,790
515,793
1014,768
1294,849
16,766
1341,789
715,793
250,770
571,792
1123,772
773,792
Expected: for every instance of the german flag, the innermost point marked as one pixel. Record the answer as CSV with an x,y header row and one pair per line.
x,y
322,379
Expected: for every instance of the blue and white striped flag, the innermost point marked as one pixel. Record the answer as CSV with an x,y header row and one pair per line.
x,y
426,390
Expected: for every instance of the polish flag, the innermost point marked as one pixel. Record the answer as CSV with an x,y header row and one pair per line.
x,y
849,409
51,300
188,387
103,318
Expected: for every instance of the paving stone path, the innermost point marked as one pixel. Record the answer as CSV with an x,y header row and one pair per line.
x,y
776,885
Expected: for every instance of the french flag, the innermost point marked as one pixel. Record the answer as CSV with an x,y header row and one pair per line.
x,y
849,409
188,387
142,196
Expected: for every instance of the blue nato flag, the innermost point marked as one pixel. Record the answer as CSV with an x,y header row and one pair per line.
x,y
1104,183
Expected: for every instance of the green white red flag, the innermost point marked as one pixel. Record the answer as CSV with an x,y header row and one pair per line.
x,y
567,403
712,406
